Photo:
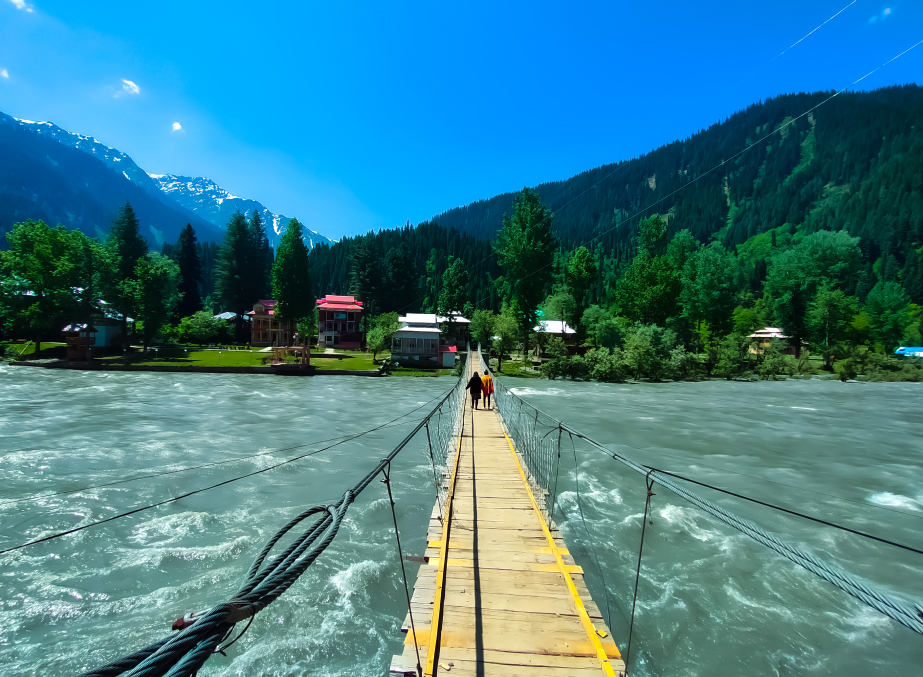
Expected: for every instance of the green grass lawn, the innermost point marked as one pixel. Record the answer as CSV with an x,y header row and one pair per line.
x,y
193,358
422,372
357,361
513,368
27,348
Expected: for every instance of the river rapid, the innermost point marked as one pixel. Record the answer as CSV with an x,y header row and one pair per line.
x,y
710,601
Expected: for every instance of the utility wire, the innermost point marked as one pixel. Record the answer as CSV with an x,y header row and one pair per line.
x,y
191,493
625,163
33,497
726,161
797,42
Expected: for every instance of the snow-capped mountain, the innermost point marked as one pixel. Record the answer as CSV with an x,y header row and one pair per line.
x,y
50,174
112,158
213,203
198,200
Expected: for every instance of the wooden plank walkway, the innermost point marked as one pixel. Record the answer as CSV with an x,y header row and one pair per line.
x,y
503,594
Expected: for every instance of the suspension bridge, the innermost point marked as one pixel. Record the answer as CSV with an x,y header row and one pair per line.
x,y
497,591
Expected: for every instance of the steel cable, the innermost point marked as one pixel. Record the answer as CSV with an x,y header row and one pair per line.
x,y
183,654
876,599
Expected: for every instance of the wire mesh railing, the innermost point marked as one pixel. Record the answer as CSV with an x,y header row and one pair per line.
x,y
534,447
442,431
201,635
537,438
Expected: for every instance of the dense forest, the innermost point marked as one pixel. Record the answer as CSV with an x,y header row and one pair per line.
x,y
402,269
856,162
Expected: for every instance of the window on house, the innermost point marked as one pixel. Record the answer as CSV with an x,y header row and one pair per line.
x,y
396,345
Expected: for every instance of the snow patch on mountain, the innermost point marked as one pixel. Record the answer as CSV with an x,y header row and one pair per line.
x,y
114,159
213,203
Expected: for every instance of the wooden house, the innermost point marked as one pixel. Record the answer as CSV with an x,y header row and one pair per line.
x,y
338,322
80,340
265,329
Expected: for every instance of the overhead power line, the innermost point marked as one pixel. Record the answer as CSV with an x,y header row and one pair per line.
x,y
734,156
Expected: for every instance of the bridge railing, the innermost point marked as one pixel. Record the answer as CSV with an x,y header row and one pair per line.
x,y
537,438
201,635
531,429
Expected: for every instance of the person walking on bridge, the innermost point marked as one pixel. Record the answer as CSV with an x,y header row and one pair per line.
x,y
474,385
487,387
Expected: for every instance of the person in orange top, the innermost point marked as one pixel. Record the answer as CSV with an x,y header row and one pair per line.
x,y
487,388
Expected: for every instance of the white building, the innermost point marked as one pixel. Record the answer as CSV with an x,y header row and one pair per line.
x,y
419,341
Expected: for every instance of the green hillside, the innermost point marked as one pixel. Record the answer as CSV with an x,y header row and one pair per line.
x,y
854,163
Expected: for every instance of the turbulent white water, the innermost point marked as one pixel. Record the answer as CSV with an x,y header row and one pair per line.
x,y
711,602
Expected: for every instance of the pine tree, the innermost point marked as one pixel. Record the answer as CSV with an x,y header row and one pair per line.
x,y
231,269
260,268
125,247
525,248
365,275
291,279
454,292
126,242
401,278
582,272
186,255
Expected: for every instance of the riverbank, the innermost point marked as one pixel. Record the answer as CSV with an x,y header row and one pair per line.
x,y
279,370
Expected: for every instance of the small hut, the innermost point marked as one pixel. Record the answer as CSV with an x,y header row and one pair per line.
x,y
80,339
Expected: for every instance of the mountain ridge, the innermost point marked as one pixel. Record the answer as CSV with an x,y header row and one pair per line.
x,y
210,201
41,150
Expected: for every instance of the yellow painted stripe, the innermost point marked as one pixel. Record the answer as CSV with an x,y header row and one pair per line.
x,y
525,566
428,671
581,609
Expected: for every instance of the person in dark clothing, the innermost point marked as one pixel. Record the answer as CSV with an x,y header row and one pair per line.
x,y
474,385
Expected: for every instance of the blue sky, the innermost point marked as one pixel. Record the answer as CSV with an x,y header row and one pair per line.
x,y
358,116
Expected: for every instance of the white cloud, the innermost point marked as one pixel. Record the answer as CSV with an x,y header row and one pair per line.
x,y
21,4
177,126
4,73
130,87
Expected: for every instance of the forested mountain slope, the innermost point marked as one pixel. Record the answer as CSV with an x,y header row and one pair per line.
x,y
854,163
401,269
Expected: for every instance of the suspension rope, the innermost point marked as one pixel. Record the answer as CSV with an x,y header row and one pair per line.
x,y
183,654
592,550
790,512
400,556
878,600
696,461
389,424
649,483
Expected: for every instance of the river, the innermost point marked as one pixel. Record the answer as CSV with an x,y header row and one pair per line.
x,y
710,601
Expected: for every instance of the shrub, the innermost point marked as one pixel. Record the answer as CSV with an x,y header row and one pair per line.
x,y
605,365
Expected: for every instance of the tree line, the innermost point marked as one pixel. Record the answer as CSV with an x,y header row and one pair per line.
x,y
52,276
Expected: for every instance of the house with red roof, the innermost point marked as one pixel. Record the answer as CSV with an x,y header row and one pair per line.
x,y
338,320
265,329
